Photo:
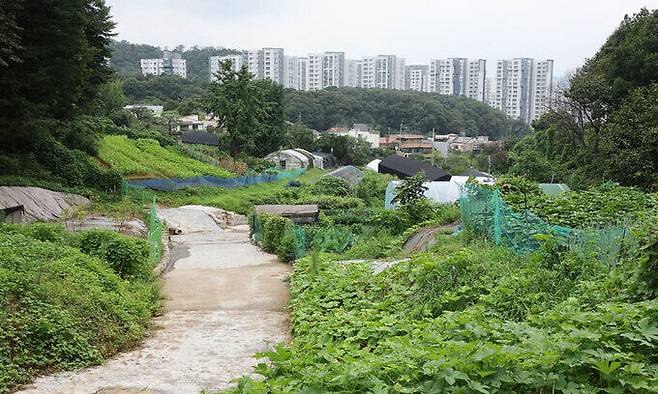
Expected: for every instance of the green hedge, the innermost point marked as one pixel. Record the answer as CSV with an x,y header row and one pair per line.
x,y
276,235
63,309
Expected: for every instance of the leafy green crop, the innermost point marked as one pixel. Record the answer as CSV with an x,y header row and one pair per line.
x,y
145,157
466,318
596,207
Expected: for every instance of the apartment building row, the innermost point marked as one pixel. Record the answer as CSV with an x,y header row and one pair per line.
x,y
522,88
318,70
171,63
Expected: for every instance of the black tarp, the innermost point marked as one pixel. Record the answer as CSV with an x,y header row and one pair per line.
x,y
200,137
404,168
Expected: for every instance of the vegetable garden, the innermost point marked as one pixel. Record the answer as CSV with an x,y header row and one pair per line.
x,y
146,158
469,316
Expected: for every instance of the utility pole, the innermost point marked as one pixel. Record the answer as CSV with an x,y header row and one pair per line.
x,y
400,138
433,131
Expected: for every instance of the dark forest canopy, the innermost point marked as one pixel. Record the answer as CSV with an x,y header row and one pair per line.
x,y
126,58
386,109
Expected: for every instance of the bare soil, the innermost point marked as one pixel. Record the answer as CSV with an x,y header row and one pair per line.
x,y
224,301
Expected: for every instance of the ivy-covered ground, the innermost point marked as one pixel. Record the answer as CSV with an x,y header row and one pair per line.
x,y
69,300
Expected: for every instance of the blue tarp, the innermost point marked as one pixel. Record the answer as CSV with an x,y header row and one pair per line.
x,y
171,184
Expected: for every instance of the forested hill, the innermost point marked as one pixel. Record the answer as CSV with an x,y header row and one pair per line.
x,y
386,109
126,56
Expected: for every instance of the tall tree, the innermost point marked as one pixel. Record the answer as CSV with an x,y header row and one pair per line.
x,y
250,112
603,128
63,47
9,32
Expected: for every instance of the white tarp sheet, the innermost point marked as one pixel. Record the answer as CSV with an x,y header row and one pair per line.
x,y
438,192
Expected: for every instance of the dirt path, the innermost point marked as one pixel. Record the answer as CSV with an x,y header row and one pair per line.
x,y
225,301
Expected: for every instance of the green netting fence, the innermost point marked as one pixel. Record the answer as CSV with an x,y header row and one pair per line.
x,y
155,229
484,211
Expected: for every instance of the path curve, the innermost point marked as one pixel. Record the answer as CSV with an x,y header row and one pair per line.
x,y
224,301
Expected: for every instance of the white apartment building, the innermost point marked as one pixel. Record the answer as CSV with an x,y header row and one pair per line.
x,y
458,77
171,63
368,72
417,77
333,69
542,78
513,88
302,65
253,58
291,72
273,64
476,79
352,72
215,61
314,71
383,72
447,76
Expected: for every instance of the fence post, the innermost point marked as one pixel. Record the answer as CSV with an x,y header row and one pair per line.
x,y
495,199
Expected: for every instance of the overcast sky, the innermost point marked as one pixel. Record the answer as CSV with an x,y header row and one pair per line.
x,y
567,31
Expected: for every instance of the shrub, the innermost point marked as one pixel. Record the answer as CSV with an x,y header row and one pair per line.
x,y
411,189
372,189
286,251
62,309
273,229
127,256
332,186
332,202
39,231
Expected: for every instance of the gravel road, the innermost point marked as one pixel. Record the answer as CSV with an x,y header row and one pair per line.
x,y
224,301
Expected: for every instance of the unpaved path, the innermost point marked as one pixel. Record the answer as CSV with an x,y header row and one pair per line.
x,y
225,301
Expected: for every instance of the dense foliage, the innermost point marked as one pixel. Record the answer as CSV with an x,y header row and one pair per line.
x,y
605,127
61,308
126,58
386,109
468,317
250,111
146,158
52,74
600,206
172,92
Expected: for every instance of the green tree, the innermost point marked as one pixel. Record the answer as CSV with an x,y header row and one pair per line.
x,y
411,190
250,112
603,128
63,51
9,33
300,136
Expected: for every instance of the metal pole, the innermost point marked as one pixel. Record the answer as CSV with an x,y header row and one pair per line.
x,y
433,131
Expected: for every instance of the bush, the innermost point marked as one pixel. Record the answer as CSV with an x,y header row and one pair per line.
x,y
273,229
332,202
332,186
286,251
62,309
372,189
126,256
39,231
